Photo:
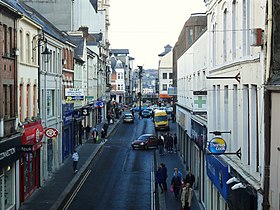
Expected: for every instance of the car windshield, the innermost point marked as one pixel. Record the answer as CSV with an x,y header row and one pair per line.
x,y
142,137
160,118
128,116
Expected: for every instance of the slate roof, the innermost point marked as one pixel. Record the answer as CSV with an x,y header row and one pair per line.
x,y
167,49
79,42
94,39
275,79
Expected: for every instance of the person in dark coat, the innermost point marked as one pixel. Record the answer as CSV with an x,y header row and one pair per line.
x,y
159,179
105,127
103,136
177,183
175,142
190,178
94,135
164,176
87,132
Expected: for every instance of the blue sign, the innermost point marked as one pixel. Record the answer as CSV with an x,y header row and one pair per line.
x,y
217,145
217,172
98,104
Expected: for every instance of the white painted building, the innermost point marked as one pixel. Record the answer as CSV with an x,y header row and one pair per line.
x,y
165,72
235,103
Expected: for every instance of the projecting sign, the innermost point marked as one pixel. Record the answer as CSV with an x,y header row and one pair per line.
x,y
217,145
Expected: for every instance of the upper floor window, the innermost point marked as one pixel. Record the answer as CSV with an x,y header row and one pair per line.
x,y
164,75
170,75
120,87
120,75
27,48
190,37
164,86
50,103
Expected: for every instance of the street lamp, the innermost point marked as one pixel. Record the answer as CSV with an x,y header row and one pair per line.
x,y
140,83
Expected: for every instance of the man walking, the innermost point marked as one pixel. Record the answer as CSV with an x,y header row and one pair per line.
x,y
164,176
75,158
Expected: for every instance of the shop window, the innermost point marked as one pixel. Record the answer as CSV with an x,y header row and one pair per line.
x,y
50,103
6,188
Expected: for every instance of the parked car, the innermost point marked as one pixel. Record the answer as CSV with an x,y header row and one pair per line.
x,y
137,109
128,118
146,113
169,110
145,141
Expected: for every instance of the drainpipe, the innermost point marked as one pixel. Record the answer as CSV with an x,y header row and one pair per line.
x,y
267,106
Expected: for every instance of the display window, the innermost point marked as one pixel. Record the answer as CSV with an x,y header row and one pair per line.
x,y
6,186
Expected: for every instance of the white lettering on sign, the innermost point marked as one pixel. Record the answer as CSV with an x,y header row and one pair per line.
x,y
7,153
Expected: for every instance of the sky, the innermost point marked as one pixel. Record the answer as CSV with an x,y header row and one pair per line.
x,y
145,27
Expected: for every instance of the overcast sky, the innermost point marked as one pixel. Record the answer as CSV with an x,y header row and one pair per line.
x,y
146,26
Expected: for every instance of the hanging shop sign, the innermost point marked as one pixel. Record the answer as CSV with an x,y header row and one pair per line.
x,y
51,132
99,104
217,145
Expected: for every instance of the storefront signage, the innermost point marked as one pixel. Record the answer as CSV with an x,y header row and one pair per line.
x,y
217,172
9,151
217,145
51,132
85,111
98,104
26,148
74,92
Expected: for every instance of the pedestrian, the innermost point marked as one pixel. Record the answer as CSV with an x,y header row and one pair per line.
x,y
169,143
175,142
186,197
190,178
140,114
176,182
103,135
179,173
164,176
81,133
87,132
105,127
173,116
159,179
160,144
75,158
95,135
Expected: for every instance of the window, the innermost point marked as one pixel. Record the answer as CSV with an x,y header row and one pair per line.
x,y
5,34
20,102
164,86
190,37
225,36
27,48
34,100
21,45
120,87
120,75
233,24
50,103
164,75
28,100
170,75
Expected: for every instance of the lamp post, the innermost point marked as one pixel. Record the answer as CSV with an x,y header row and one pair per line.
x,y
140,88
40,40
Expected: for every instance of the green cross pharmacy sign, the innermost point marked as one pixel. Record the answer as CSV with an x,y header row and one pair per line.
x,y
199,101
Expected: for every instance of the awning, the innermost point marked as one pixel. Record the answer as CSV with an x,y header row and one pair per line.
x,y
164,96
33,133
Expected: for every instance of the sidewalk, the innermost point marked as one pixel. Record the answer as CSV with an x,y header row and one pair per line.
x,y
167,200
54,192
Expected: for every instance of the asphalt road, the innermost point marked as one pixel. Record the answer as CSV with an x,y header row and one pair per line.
x,y
120,178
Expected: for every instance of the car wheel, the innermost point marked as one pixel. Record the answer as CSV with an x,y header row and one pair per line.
x,y
133,147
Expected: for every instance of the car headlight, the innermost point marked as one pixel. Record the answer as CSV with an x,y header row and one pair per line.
x,y
142,143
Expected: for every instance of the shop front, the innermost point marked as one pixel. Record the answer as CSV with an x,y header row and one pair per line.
x,y
9,156
217,190
78,127
30,159
197,162
67,130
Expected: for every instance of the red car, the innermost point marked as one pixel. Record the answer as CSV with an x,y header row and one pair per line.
x,y
145,141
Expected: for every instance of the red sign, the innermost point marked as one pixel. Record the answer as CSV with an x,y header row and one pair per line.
x,y
51,132
33,133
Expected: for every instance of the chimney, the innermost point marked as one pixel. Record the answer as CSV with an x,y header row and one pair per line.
x,y
84,29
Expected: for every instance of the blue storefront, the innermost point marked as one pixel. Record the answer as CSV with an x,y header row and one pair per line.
x,y
67,130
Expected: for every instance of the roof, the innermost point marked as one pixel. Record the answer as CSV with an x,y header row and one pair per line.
x,y
79,42
167,49
94,38
28,11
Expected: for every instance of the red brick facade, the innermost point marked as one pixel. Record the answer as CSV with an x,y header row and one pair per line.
x,y
8,72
